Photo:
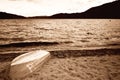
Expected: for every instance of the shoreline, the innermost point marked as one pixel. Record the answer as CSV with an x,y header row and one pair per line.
x,y
62,52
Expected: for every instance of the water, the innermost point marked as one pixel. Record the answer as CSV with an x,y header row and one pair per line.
x,y
31,34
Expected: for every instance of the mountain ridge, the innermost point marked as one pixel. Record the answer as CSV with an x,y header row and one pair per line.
x,y
4,15
109,11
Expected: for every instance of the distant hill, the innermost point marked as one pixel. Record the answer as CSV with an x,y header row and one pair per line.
x,y
109,10
4,15
39,17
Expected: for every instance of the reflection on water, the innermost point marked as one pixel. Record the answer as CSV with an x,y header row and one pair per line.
x,y
65,32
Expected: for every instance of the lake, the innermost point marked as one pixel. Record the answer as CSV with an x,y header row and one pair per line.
x,y
21,35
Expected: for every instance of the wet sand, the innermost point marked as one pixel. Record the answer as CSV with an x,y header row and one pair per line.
x,y
96,64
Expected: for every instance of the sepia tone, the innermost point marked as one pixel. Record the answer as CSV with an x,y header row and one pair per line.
x,y
52,40
81,49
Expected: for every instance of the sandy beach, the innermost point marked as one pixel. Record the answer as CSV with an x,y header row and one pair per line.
x,y
96,64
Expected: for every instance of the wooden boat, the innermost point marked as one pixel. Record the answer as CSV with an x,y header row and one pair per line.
x,y
27,63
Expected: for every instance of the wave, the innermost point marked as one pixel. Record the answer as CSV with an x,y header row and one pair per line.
x,y
113,44
25,44
14,39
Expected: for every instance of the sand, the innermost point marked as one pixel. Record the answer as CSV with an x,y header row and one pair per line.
x,y
100,64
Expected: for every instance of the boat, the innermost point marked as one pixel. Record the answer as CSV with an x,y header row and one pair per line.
x,y
27,63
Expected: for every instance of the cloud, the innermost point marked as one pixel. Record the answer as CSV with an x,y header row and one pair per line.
x,y
48,7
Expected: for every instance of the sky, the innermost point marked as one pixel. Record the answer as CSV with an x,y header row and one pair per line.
x,y
29,8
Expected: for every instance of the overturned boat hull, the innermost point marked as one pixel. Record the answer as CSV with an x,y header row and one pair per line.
x,y
27,63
